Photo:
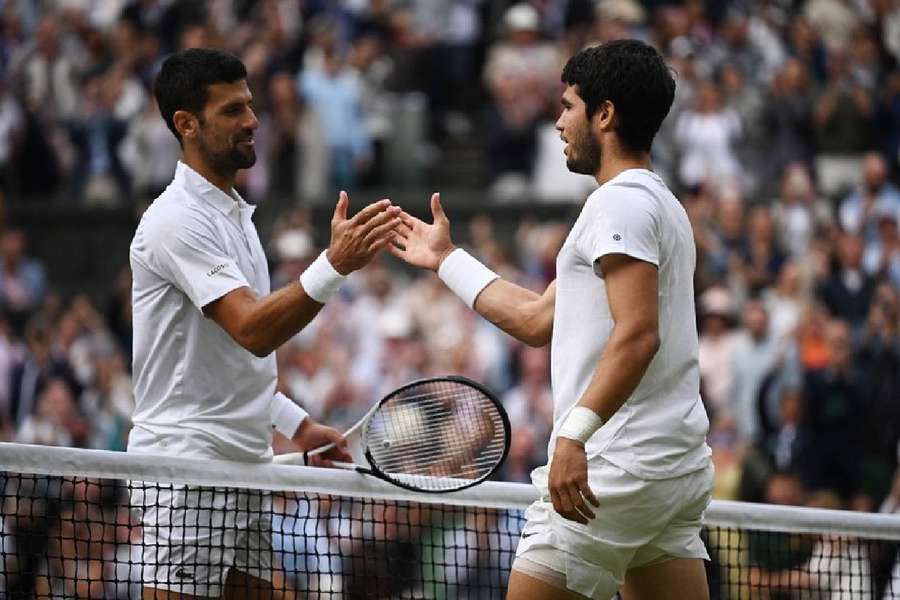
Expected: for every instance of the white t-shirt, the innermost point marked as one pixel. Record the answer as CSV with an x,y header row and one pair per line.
x,y
660,431
197,392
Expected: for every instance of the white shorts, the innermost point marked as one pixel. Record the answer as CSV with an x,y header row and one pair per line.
x,y
638,522
193,535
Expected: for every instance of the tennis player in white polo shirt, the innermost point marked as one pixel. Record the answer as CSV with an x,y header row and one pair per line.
x,y
205,330
630,473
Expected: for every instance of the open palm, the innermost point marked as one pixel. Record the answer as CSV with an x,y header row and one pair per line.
x,y
421,244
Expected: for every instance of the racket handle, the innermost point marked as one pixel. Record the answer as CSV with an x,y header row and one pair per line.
x,y
317,451
301,458
291,458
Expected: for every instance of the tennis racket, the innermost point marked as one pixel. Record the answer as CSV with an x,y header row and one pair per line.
x,y
440,434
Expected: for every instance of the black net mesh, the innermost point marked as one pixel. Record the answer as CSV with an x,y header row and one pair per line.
x,y
779,565
93,538
69,537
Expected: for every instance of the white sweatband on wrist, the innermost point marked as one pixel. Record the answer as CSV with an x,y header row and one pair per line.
x,y
465,275
320,281
581,424
286,415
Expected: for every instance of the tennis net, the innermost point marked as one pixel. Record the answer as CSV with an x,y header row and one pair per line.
x,y
72,528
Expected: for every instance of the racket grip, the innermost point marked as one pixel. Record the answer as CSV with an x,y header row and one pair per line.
x,y
316,452
301,458
291,458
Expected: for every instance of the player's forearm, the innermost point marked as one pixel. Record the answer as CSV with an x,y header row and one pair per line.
x,y
619,370
523,314
275,319
517,311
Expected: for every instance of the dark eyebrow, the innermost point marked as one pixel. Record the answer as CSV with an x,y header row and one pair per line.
x,y
236,104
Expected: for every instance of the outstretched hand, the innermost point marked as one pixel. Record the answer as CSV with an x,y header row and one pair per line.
x,y
421,244
356,240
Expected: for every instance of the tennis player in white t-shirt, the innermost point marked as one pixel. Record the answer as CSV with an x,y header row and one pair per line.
x,y
206,326
630,473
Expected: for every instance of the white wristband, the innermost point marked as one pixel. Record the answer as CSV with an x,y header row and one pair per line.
x,y
581,424
465,275
320,281
286,415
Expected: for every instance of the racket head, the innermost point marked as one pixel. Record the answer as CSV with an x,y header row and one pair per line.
x,y
440,434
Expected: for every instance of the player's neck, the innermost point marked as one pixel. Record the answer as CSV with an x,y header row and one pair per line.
x,y
223,181
612,164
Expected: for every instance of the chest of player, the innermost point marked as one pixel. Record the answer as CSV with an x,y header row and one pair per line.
x,y
241,242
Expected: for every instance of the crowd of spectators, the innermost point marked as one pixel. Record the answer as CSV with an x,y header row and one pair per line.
x,y
761,85
362,92
783,144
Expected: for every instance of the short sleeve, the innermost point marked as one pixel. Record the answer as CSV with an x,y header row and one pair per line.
x,y
191,254
625,223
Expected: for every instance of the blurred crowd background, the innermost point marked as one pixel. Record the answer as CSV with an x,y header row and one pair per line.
x,y
782,145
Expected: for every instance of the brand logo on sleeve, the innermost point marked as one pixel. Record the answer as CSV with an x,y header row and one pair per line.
x,y
617,237
183,574
215,270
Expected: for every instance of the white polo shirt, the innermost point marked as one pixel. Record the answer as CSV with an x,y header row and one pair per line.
x,y
660,431
197,391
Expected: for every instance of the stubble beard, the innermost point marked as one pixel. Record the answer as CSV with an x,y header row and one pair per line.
x,y
584,156
230,160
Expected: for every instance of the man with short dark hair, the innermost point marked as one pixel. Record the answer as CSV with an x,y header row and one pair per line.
x,y
629,424
205,329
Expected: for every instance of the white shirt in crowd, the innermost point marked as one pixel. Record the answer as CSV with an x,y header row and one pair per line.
x,y
707,142
197,392
660,431
715,354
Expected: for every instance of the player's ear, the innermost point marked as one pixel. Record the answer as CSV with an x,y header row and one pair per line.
x,y
186,124
605,115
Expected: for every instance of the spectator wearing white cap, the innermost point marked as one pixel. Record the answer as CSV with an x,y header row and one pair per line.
x,y
295,251
522,76
707,135
798,211
716,348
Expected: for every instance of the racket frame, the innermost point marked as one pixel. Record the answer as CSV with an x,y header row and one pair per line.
x,y
363,424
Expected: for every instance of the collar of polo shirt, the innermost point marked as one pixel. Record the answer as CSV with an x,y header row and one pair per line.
x,y
198,184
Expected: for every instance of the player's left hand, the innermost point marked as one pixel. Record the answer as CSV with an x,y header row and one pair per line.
x,y
311,435
568,482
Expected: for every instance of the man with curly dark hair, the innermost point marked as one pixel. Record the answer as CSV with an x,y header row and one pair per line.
x,y
630,474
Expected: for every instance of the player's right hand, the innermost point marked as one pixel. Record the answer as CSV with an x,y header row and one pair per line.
x,y
311,435
355,241
568,482
421,244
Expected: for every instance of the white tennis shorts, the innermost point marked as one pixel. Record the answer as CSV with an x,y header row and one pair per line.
x,y
638,522
193,535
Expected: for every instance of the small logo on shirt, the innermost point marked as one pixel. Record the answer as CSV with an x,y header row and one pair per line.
x,y
617,237
183,574
215,270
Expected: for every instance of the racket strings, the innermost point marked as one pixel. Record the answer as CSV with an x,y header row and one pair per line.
x,y
437,434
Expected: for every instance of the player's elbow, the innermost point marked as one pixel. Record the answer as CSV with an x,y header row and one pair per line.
x,y
257,348
254,344
261,351
538,339
647,343
641,341
536,328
